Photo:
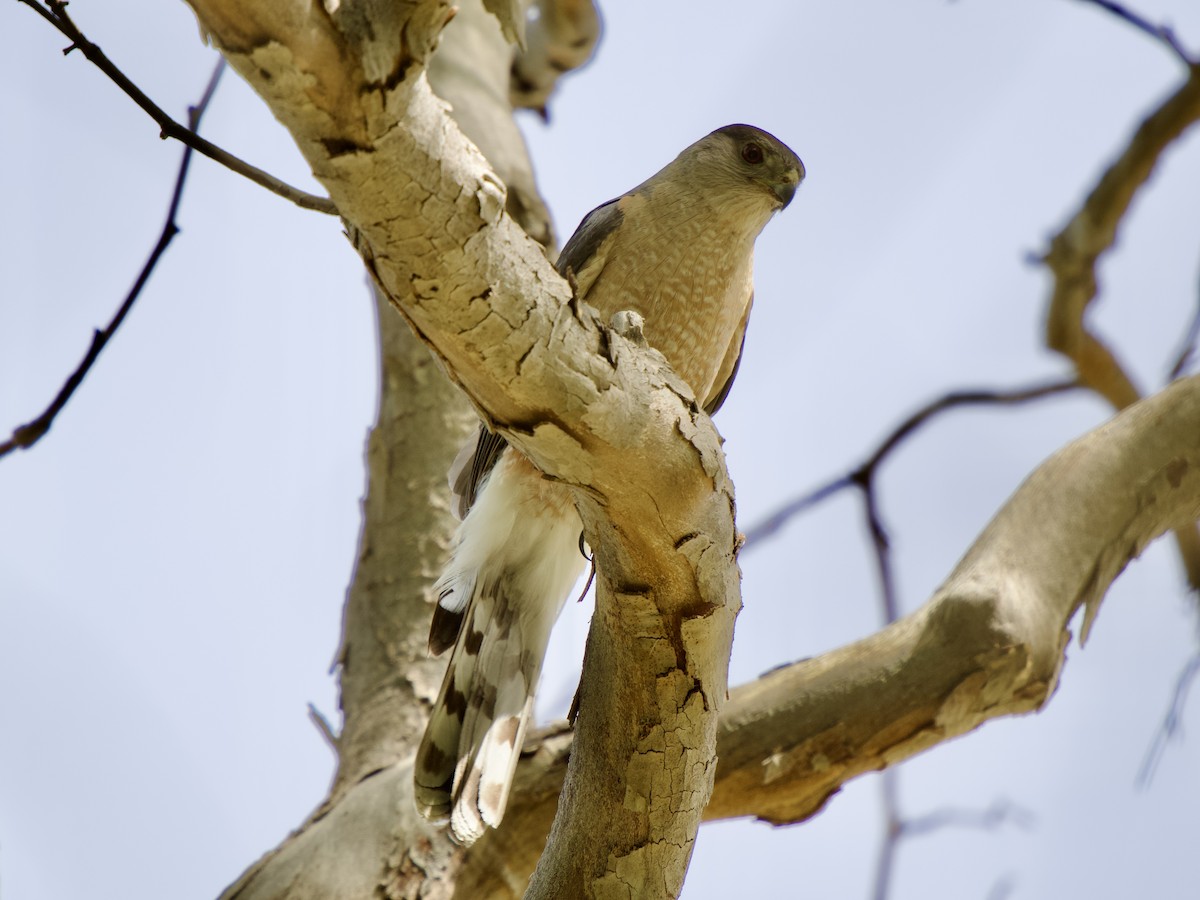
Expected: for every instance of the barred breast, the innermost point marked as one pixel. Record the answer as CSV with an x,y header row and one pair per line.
x,y
688,272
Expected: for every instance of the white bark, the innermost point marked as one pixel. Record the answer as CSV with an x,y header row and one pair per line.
x,y
427,215
989,643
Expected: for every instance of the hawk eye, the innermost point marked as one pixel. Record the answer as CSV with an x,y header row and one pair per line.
x,y
752,153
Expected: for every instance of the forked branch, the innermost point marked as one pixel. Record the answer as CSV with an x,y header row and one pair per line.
x,y
25,436
55,12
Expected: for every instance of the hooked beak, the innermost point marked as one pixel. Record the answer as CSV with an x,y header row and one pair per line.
x,y
785,188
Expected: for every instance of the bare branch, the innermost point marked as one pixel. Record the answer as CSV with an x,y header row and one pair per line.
x,y
1000,812
55,12
789,740
865,473
897,827
1162,33
775,521
25,436
893,828
1091,232
1120,391
955,399
980,649
322,724
864,478
1172,724
1188,350
1076,249
562,37
669,639
1002,615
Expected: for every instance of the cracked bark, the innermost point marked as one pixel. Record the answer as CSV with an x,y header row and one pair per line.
x,y
608,418
463,245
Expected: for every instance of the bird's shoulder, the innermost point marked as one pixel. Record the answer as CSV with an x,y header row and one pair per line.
x,y
585,244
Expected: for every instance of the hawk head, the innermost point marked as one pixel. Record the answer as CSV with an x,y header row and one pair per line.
x,y
742,159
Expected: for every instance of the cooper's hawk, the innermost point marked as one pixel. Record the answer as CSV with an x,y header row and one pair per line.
x,y
679,250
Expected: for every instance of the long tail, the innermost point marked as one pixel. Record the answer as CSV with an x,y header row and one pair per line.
x,y
513,567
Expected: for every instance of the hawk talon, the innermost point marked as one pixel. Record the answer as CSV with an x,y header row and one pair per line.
x,y
629,324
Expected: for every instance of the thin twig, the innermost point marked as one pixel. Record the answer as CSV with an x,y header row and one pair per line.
x,y
25,436
864,478
977,397
1091,232
893,830
1162,33
1188,350
999,813
55,12
776,520
1172,723
897,828
318,719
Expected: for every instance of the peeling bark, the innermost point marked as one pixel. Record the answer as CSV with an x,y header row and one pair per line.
x,y
478,291
989,643
427,214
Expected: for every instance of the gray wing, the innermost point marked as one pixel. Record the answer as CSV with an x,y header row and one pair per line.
x,y
584,246
716,402
729,365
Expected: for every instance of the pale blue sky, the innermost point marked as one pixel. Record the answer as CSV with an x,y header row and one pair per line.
x,y
173,556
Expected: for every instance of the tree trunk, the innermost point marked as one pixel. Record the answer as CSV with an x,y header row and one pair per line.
x,y
427,214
